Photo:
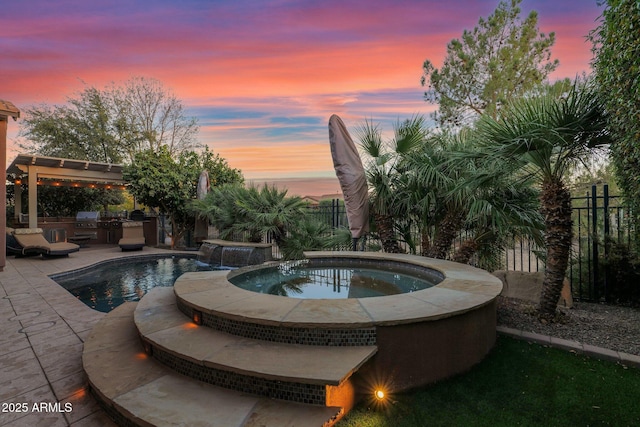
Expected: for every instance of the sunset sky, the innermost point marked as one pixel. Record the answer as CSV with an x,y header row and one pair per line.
x,y
261,77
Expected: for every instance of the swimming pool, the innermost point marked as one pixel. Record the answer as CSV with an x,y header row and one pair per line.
x,y
105,286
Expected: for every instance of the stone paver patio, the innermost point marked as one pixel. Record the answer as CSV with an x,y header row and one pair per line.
x,y
43,328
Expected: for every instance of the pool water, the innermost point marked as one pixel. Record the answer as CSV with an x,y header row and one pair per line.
x,y
299,281
106,286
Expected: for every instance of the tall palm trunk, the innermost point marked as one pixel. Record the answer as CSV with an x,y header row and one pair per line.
x,y
465,252
425,242
556,209
386,233
446,234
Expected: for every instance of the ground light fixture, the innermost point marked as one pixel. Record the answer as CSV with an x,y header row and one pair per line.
x,y
147,347
196,316
380,398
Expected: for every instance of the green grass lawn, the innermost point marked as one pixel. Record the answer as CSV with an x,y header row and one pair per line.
x,y
518,384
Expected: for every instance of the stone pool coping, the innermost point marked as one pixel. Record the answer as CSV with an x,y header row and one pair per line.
x,y
463,289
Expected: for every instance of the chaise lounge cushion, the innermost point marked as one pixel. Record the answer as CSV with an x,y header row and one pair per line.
x,y
132,236
32,241
13,247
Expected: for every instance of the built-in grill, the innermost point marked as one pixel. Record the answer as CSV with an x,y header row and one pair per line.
x,y
87,219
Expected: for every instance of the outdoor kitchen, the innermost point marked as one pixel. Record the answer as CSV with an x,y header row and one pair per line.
x,y
28,172
93,227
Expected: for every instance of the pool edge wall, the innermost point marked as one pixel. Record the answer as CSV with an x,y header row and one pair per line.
x,y
421,337
412,355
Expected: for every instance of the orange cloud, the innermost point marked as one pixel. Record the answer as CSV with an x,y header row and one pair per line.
x,y
281,161
262,77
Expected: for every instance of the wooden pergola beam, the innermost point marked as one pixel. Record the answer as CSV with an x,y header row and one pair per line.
x,y
54,168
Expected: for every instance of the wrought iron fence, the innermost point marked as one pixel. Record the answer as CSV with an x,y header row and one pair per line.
x,y
333,214
599,220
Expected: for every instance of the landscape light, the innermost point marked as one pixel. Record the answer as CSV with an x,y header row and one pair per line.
x,y
147,347
196,316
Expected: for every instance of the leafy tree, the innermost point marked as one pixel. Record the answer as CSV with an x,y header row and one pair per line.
x,y
500,59
149,116
543,138
111,125
157,179
617,72
80,130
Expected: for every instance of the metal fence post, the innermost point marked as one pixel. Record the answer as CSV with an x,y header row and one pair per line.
x,y
594,246
607,240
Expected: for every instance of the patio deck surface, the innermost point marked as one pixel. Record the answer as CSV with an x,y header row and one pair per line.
x,y
42,331
43,328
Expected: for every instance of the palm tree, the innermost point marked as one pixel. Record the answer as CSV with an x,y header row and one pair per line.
x,y
435,195
498,210
451,192
496,206
269,210
384,176
235,209
220,209
310,234
544,137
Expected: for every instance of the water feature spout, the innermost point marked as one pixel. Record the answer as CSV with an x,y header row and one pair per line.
x,y
206,254
235,256
221,253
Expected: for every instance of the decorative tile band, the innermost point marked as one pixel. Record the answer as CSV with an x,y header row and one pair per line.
x,y
283,334
312,394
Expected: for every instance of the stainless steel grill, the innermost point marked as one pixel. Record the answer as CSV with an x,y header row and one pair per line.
x,y
87,219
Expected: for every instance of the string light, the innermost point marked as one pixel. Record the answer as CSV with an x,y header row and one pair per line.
x,y
76,184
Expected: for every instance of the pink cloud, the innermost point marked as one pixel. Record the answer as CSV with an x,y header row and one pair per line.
x,y
290,60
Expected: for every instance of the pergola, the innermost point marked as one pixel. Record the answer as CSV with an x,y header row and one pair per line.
x,y
7,109
42,170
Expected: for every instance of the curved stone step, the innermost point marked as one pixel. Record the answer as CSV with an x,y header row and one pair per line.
x,y
137,390
301,373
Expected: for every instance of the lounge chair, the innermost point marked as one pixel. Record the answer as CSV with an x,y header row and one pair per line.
x,y
132,236
14,248
31,241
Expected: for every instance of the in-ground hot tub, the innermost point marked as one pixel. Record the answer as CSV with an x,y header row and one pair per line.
x,y
421,336
322,278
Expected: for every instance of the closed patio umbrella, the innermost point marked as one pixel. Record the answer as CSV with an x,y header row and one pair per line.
x,y
350,173
202,225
